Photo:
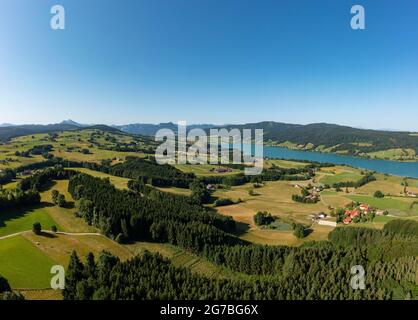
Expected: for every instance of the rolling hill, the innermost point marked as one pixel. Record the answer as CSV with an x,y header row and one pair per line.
x,y
322,137
316,136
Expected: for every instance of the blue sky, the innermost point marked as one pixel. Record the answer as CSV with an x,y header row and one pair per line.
x,y
210,61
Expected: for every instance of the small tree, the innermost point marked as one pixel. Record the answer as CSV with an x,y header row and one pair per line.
x,y
4,285
54,228
54,195
37,228
60,201
300,231
378,194
263,218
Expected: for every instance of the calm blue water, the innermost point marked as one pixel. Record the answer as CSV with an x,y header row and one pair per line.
x,y
405,169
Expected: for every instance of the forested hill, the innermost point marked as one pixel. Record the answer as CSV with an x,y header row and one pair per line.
x,y
7,133
318,136
330,135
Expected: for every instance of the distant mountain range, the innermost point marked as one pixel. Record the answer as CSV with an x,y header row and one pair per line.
x,y
316,136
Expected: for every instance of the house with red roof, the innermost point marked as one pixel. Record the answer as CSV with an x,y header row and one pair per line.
x,y
364,207
347,220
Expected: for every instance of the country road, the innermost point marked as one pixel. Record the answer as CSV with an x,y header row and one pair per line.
x,y
50,232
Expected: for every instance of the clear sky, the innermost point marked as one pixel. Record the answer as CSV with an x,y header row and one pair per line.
x,y
210,61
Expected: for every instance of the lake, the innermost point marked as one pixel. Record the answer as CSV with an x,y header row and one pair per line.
x,y
404,169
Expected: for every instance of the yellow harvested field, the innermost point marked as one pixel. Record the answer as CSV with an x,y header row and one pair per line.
x,y
275,197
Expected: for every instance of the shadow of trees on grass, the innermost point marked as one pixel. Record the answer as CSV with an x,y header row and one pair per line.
x,y
16,213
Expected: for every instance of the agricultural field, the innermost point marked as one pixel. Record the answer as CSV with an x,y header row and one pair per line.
x,y
275,197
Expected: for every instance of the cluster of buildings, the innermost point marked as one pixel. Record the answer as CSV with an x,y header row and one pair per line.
x,y
359,211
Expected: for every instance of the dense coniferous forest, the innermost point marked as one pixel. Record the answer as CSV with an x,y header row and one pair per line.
x,y
318,272
141,217
152,173
405,227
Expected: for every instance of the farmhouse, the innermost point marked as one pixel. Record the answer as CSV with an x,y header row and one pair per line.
x,y
363,211
364,207
347,220
352,213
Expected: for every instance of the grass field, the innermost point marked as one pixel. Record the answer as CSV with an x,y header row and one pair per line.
x,y
118,182
394,154
204,170
17,220
284,163
60,247
396,206
23,264
340,177
180,191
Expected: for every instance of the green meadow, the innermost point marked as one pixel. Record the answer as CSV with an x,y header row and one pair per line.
x,y
393,205
23,264
18,220
341,177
